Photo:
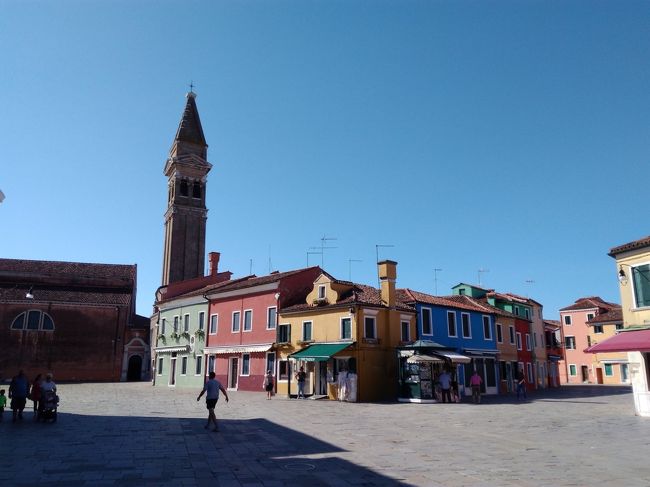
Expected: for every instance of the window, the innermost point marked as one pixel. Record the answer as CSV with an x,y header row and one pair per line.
x,y
487,329
175,324
321,291
528,341
214,323
512,334
589,316
572,370
211,359
467,329
369,327
427,325
529,370
534,339
619,326
271,317
609,370
346,328
160,366
245,364
567,319
516,310
598,328
588,341
184,189
235,321
184,366
527,313
270,362
248,320
163,322
641,284
199,365
570,342
33,320
406,335
196,190
518,341
451,324
283,370
284,333
306,331
186,323
499,333
201,320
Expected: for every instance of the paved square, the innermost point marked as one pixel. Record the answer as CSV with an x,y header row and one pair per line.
x,y
131,434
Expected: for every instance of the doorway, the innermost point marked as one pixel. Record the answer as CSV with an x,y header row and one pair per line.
x,y
585,373
599,375
625,376
134,372
233,369
321,385
172,372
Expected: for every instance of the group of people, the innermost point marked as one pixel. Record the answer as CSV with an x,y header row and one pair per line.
x,y
20,390
449,387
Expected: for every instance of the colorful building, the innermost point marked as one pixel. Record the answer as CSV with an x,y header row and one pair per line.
x,y
577,366
554,350
344,335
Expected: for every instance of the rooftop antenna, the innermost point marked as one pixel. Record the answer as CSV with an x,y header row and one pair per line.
x,y
250,267
530,282
312,253
323,247
481,271
270,268
435,279
377,246
350,267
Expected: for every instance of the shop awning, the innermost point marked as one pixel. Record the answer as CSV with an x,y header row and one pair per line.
x,y
181,348
414,359
264,347
319,352
477,352
455,358
625,341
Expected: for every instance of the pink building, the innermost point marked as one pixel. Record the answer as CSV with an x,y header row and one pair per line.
x,y
577,366
242,325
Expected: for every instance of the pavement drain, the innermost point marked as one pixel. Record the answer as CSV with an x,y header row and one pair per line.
x,y
299,466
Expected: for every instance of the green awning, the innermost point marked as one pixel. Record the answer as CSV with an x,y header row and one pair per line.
x,y
319,352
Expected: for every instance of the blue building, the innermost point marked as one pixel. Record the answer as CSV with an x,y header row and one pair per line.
x,y
461,329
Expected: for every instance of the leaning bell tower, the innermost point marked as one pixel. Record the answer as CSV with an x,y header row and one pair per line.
x,y
186,169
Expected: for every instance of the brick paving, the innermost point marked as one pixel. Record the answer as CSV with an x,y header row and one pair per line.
x,y
131,434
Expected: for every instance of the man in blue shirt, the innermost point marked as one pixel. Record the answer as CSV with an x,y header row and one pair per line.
x,y
18,390
211,390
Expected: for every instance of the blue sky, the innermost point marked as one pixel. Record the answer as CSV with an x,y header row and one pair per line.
x,y
509,136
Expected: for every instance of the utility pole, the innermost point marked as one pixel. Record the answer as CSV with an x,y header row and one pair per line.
x,y
435,279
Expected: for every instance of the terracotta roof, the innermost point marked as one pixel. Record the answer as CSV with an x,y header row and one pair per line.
x,y
637,244
553,323
453,301
612,315
250,281
189,128
590,302
20,268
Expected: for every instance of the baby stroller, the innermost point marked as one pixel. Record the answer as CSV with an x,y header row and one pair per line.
x,y
50,403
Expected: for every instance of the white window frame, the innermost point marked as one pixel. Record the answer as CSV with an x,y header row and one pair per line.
x,y
528,347
489,327
161,364
512,336
406,338
287,326
201,320
341,327
598,329
214,317
176,323
574,342
243,325
611,370
527,313
453,314
575,370
232,322
567,318
198,365
519,347
248,372
499,332
184,365
269,325
275,361
374,327
469,325
311,331
422,319
186,323
322,291
632,288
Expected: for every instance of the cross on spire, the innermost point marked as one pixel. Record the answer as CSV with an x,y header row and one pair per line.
x,y
191,86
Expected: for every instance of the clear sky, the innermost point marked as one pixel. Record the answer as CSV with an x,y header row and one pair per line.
x,y
508,136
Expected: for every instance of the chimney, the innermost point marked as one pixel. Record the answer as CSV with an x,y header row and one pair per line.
x,y
213,257
387,277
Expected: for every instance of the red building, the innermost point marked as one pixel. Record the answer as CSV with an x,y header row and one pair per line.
x,y
242,324
525,351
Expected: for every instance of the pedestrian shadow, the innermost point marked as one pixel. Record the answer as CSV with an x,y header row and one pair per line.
x,y
162,451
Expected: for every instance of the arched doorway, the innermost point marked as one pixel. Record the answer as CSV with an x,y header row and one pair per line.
x,y
134,372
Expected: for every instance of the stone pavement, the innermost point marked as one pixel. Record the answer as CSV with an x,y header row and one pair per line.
x,y
131,434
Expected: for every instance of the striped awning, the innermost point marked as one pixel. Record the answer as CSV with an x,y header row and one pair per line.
x,y
455,358
265,347
414,359
181,348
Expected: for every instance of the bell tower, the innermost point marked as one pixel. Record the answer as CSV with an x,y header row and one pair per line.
x,y
186,170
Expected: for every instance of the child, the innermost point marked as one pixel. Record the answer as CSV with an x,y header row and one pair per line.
x,y
3,402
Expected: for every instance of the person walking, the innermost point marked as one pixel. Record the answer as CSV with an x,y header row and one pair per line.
x,y
267,385
521,385
211,390
475,382
445,386
35,395
18,390
301,377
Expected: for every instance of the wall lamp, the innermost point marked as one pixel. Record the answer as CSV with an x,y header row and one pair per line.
x,y
29,294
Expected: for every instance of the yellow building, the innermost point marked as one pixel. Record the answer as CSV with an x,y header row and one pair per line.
x,y
344,336
609,368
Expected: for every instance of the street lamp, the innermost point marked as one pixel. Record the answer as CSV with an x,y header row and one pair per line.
x,y
622,277
29,294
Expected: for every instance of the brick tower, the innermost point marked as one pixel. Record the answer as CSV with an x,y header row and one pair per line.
x,y
186,169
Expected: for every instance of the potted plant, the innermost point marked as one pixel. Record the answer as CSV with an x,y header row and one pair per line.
x,y
200,334
185,335
163,339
